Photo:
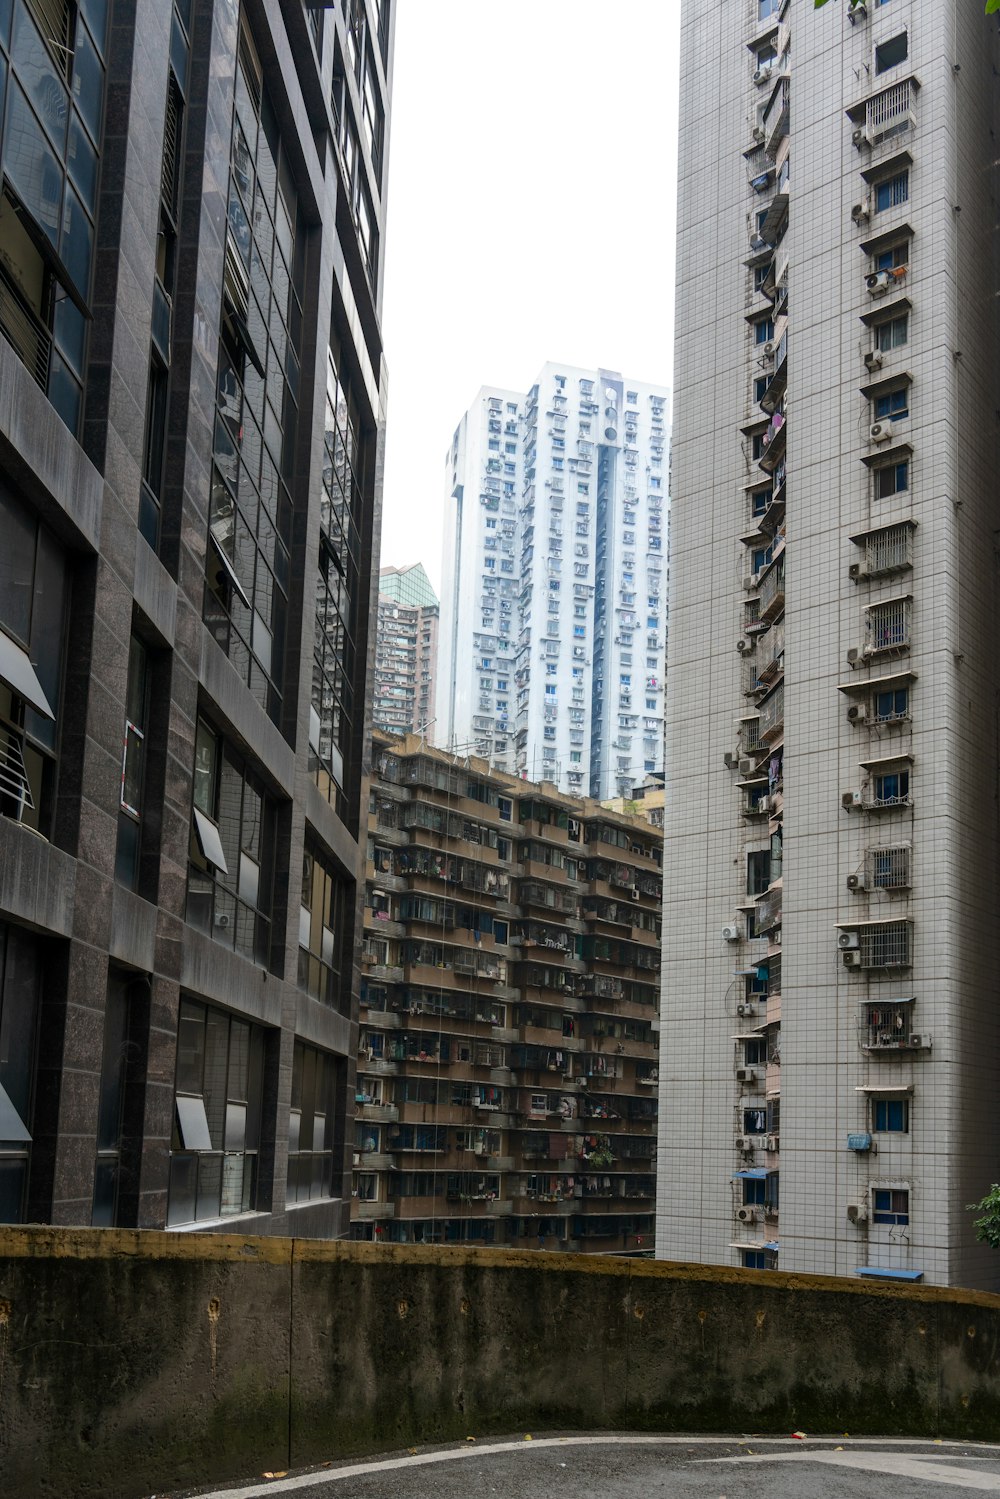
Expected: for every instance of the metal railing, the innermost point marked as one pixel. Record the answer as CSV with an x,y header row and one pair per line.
x,y
888,626
888,868
890,111
888,550
886,945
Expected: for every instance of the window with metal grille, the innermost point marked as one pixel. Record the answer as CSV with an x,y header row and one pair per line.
x,y
889,549
169,168
888,867
888,626
886,945
892,192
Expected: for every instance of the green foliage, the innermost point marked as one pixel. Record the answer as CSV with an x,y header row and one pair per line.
x,y
988,1226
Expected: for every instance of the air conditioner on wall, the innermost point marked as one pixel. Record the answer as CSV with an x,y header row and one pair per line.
x,y
851,959
854,882
880,432
745,1075
730,933
747,1214
846,941
857,713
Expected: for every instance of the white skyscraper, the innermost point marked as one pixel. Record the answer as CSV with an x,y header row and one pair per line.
x,y
553,612
829,1014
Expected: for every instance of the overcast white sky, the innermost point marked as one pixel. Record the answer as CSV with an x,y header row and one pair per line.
x,y
530,217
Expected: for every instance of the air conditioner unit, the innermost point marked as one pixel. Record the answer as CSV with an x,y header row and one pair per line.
x,y
746,767
745,1075
849,799
729,760
920,1041
757,135
854,571
772,1143
746,1008
851,959
857,713
857,12
762,74
847,940
768,349
880,431
758,242
634,893
854,882
746,1214
852,656
222,920
861,211
859,1141
730,933
743,646
750,582
873,360
745,1143
878,283
857,1213
859,137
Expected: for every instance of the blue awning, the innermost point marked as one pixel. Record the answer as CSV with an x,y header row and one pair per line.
x,y
774,1246
876,1272
754,1174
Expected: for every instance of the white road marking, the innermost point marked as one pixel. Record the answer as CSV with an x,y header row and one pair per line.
x,y
900,1464
813,1448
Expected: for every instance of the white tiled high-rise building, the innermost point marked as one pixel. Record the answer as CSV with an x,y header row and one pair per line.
x,y
553,612
829,1032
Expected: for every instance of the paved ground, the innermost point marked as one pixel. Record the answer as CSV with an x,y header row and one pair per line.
x,y
636,1467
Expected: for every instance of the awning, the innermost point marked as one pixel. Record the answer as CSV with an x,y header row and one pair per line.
x,y
876,1272
897,1088
878,684
209,841
755,1173
19,674
884,761
773,1246
12,1128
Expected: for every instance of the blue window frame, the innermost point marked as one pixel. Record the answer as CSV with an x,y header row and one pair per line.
x,y
890,1205
891,1116
893,406
894,478
753,1259
893,192
892,704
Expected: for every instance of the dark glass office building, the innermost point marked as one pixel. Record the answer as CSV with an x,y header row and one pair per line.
x,y
192,401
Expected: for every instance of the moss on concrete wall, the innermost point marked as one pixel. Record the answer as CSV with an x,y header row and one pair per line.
x,y
133,1362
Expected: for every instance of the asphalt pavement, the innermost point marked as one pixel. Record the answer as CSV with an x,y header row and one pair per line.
x,y
630,1466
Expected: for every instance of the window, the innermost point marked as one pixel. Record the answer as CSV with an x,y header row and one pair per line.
x,y
892,192
763,330
892,478
217,1108
891,53
893,406
311,1125
755,1121
891,1116
890,1205
888,868
55,103
33,586
893,259
753,1259
20,966
231,850
891,788
115,1151
886,945
891,705
133,762
325,923
753,1191
758,871
767,8
892,334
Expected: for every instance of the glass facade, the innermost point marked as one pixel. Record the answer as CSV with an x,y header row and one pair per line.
x,y
232,850
19,968
325,917
345,469
52,107
246,596
216,1131
311,1124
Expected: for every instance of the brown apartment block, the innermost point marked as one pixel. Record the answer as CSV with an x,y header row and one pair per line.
x,y
507,1064
192,402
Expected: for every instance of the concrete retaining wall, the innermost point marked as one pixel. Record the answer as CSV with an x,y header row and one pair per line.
x,y
138,1362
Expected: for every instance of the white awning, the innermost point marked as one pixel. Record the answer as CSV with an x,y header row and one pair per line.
x,y
898,1088
18,673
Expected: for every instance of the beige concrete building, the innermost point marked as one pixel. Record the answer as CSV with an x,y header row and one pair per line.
x,y
507,1060
829,1031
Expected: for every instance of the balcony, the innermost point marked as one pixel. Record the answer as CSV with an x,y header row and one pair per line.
x,y
775,120
888,113
772,590
888,627
380,1113
367,1211
772,714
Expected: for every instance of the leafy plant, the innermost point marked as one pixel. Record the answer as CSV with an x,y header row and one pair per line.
x,y
988,1226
